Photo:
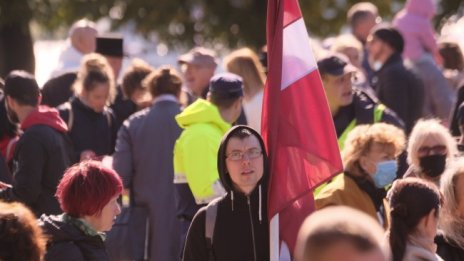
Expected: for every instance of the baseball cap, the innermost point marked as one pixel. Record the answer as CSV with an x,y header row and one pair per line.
x,y
226,85
199,56
110,45
335,64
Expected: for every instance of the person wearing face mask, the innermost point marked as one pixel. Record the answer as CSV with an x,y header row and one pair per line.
x,y
430,147
395,84
369,158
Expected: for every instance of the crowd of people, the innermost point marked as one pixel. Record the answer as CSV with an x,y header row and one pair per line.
x,y
182,142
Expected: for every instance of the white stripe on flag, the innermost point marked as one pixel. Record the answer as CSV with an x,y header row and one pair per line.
x,y
298,59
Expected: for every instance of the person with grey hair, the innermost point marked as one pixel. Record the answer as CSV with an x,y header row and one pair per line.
x,y
430,149
450,238
340,233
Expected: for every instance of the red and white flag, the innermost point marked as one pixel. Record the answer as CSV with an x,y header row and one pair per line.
x,y
297,126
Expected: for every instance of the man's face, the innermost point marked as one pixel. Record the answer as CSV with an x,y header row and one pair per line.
x,y
197,77
375,49
364,27
244,162
10,113
338,90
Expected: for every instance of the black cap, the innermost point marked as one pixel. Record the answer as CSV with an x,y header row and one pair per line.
x,y
335,64
226,85
110,45
389,35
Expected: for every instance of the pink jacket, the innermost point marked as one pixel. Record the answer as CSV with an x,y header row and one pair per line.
x,y
414,23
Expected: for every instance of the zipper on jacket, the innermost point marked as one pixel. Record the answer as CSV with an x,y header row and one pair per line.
x,y
252,228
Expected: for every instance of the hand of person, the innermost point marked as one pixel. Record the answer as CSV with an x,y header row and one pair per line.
x,y
87,155
4,185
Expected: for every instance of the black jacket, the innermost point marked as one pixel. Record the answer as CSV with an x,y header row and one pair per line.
x,y
242,227
401,90
362,110
447,250
68,242
90,130
41,156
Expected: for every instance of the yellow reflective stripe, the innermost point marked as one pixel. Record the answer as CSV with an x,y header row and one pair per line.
x,y
341,140
378,112
179,178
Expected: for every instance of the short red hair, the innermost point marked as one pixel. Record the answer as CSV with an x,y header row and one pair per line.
x,y
86,188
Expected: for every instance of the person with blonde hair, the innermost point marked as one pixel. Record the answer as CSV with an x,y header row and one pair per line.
x,y
450,238
20,236
245,63
340,233
91,124
430,147
370,160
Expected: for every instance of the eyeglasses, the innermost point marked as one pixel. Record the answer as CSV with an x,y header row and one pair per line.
x,y
237,155
435,150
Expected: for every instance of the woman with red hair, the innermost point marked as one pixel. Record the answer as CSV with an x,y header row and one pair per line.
x,y
87,194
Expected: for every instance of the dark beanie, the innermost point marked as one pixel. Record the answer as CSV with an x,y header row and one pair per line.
x,y
389,35
226,85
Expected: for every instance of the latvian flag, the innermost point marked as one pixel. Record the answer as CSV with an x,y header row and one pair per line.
x,y
296,122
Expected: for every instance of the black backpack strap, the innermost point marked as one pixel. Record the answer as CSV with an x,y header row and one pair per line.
x,y
210,222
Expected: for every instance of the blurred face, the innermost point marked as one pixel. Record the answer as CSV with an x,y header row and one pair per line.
x,y
432,146
460,196
346,252
244,162
353,55
375,50
104,221
376,154
141,97
10,113
96,99
197,77
338,90
363,28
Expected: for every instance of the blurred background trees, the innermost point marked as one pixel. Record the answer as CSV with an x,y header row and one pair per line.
x,y
178,23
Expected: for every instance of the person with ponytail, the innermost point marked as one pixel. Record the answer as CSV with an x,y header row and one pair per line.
x,y
414,211
91,123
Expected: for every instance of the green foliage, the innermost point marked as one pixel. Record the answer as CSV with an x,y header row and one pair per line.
x,y
193,22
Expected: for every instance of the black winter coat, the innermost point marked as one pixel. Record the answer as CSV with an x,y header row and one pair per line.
x,y
67,242
447,250
401,90
89,130
41,156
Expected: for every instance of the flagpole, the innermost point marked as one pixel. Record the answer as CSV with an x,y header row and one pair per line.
x,y
274,238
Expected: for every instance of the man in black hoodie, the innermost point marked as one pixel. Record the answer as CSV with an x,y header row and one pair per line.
x,y
42,153
240,226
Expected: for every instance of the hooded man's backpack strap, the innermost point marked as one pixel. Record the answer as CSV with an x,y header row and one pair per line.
x,y
210,222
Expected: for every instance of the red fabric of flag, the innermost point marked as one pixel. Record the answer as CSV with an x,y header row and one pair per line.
x,y
297,126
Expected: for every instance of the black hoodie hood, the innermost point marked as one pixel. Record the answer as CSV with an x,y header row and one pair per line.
x,y
222,168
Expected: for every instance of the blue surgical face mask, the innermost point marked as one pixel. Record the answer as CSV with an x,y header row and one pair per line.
x,y
386,173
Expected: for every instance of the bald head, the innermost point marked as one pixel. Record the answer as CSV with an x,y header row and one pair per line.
x,y
83,36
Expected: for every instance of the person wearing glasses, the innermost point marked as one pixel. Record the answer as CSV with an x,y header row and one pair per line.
x,y
204,123
240,226
430,148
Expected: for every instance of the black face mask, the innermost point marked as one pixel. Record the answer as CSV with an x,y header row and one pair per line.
x,y
433,165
